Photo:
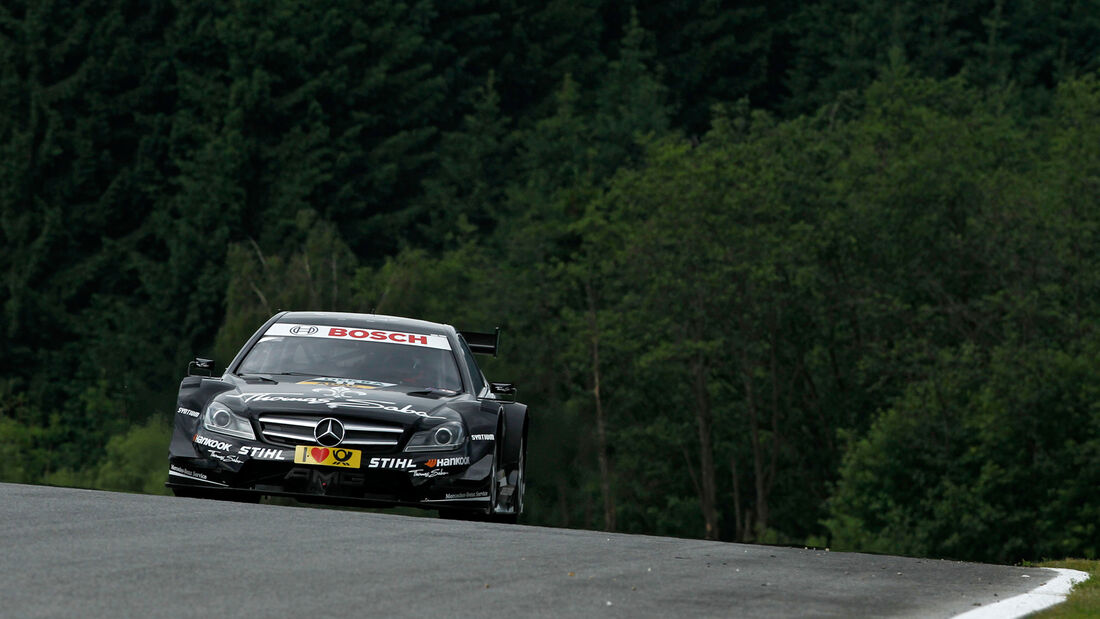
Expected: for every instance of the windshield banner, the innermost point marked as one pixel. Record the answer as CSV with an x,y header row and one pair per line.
x,y
373,335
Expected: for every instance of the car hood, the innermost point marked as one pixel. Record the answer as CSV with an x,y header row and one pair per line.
x,y
312,398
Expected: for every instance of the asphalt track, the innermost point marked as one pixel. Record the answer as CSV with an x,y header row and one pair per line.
x,y
67,553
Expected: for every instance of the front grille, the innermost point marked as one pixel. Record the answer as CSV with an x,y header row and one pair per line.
x,y
298,430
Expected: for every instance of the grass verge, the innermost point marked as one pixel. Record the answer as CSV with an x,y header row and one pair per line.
x,y
1084,600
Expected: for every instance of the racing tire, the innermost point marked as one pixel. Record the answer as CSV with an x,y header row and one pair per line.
x,y
518,488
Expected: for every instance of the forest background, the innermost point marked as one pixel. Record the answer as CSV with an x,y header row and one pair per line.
x,y
793,272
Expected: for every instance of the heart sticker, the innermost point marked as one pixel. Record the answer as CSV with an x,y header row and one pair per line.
x,y
319,453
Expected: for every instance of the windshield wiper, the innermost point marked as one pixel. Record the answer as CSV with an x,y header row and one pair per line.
x,y
256,376
432,391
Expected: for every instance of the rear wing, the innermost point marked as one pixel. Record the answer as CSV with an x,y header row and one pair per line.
x,y
482,343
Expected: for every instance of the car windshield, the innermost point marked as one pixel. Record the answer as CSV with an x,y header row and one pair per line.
x,y
380,362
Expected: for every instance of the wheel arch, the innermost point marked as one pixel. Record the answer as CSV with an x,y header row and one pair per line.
x,y
516,424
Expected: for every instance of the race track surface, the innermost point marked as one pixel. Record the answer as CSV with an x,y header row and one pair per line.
x,y
86,553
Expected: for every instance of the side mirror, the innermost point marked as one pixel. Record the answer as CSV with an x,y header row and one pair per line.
x,y
505,389
200,365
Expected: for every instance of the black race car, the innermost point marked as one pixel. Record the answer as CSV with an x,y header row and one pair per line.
x,y
353,409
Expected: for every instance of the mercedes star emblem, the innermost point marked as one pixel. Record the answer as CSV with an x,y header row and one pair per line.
x,y
329,432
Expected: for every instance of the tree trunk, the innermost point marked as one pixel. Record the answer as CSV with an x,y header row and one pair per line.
x,y
601,427
738,523
757,450
708,496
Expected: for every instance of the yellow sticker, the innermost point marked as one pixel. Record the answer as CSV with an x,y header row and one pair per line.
x,y
327,456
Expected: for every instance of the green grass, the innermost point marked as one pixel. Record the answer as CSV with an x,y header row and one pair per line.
x,y
1084,600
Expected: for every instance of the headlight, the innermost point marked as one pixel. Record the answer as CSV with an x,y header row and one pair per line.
x,y
443,437
218,418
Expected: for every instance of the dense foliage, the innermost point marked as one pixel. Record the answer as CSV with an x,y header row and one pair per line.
x,y
817,272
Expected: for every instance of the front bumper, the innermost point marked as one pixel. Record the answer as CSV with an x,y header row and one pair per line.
x,y
458,479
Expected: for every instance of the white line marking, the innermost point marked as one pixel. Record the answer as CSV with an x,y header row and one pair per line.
x,y
1052,592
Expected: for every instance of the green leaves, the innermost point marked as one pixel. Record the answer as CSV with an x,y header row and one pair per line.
x,y
698,321
980,461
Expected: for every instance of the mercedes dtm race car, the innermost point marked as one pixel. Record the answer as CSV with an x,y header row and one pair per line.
x,y
353,409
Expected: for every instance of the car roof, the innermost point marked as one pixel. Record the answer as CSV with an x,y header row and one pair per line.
x,y
366,321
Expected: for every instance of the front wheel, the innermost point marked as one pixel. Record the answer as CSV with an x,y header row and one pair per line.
x,y
512,494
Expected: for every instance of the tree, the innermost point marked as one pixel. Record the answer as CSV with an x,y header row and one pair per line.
x,y
317,275
465,197
717,52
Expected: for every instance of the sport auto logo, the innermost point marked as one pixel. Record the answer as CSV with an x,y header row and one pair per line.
x,y
341,456
227,458
349,458
283,397
466,495
455,461
340,391
332,401
345,382
329,432
379,405
262,453
187,472
391,463
432,340
211,443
